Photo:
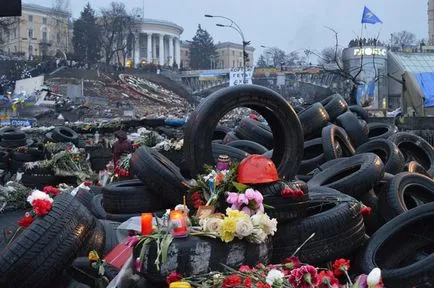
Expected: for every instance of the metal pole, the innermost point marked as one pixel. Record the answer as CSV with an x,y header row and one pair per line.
x,y
244,62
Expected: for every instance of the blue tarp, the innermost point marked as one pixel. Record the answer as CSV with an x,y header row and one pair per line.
x,y
426,84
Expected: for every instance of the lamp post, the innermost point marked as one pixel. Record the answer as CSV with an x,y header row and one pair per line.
x,y
237,28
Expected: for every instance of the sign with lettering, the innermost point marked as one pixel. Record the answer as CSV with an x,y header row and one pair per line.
x,y
236,76
370,51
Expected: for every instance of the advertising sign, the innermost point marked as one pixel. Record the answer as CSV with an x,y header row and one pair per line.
x,y
236,76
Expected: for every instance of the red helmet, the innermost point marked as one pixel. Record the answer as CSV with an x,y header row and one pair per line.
x,y
257,169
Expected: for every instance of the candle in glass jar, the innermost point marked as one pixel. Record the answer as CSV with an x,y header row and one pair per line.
x,y
178,224
146,220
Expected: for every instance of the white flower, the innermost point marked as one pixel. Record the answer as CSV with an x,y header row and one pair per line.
x,y
374,277
212,224
179,144
258,236
36,194
244,227
274,276
270,227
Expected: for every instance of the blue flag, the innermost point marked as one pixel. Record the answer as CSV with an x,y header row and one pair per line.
x,y
369,17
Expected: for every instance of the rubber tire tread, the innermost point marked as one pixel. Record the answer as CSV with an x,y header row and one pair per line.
x,y
419,274
47,246
425,148
394,160
335,106
392,202
349,122
235,154
359,111
248,146
313,118
415,167
339,231
390,130
370,170
253,130
332,134
59,135
310,164
130,196
159,174
281,118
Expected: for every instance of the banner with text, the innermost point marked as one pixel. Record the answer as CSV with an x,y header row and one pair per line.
x,y
236,76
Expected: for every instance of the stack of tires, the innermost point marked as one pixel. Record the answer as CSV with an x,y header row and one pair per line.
x,y
63,134
13,137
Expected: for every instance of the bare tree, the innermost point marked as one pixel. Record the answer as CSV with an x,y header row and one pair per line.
x,y
116,28
276,56
403,39
61,14
329,56
292,58
6,26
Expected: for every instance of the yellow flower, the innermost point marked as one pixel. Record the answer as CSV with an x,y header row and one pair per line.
x,y
93,256
236,214
228,228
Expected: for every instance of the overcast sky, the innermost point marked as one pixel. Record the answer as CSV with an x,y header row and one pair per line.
x,y
287,24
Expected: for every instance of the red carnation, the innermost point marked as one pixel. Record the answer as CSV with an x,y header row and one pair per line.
x,y
232,281
262,285
173,277
365,211
304,277
41,207
26,220
292,263
53,191
327,279
247,282
87,183
340,266
198,203
195,196
245,268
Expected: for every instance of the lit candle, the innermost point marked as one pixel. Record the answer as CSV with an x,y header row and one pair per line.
x,y
146,223
178,224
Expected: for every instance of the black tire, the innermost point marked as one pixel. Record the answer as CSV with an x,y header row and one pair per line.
x,y
336,143
96,241
415,167
47,246
335,106
4,156
159,174
64,134
255,131
313,118
23,157
11,133
373,221
230,136
359,111
220,132
82,272
111,238
381,130
406,191
99,212
248,146
393,238
353,127
234,154
130,196
280,116
313,156
355,176
274,188
198,255
13,143
39,181
85,196
415,148
388,152
336,222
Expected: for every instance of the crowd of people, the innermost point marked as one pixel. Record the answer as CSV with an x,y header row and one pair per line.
x,y
358,42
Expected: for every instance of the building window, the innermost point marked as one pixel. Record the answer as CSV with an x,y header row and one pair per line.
x,y
233,62
30,50
30,33
44,36
233,54
44,20
30,18
241,54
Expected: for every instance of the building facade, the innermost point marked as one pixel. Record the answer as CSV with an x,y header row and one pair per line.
x,y
431,22
40,31
230,55
369,63
158,42
185,55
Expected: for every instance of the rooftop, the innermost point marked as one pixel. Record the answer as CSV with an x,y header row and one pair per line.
x,y
162,22
42,9
222,45
414,62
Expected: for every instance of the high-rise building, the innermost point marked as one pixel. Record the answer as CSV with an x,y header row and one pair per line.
x,y
431,21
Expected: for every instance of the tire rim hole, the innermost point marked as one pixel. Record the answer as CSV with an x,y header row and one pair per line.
x,y
342,174
377,131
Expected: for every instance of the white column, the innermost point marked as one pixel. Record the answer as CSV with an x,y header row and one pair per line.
x,y
154,48
149,52
161,49
178,52
136,49
170,50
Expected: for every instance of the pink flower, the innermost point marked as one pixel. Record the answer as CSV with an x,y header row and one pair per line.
x,y
261,207
247,210
250,194
258,197
242,199
232,198
304,277
235,207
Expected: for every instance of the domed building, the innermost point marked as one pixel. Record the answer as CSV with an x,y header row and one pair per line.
x,y
158,42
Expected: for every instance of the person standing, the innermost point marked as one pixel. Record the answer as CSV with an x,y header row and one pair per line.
x,y
121,146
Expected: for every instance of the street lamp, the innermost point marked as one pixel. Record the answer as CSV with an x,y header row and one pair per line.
x,y
237,28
